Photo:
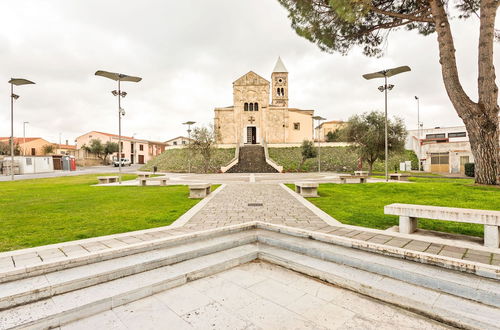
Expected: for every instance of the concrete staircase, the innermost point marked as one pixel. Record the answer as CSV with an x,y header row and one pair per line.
x,y
53,298
252,159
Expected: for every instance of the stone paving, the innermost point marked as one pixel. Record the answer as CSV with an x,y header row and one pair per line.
x,y
256,296
234,204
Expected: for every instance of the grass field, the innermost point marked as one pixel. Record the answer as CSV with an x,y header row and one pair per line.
x,y
45,211
363,204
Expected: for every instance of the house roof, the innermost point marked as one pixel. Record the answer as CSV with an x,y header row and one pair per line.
x,y
279,67
107,134
20,140
179,137
64,146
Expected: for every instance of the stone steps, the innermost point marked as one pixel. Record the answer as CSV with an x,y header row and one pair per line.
x,y
252,159
460,284
47,285
67,307
444,307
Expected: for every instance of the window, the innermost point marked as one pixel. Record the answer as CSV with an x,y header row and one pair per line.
x,y
435,136
246,106
457,134
278,91
33,152
121,144
183,142
282,92
141,147
251,106
256,106
296,126
29,161
175,143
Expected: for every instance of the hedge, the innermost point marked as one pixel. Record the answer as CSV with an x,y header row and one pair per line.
x,y
469,169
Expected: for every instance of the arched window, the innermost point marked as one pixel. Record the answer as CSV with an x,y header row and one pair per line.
x,y
278,91
282,92
256,106
251,106
246,106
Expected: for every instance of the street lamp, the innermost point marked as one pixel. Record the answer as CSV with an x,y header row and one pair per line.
x,y
418,133
386,74
189,123
319,119
12,82
119,77
24,136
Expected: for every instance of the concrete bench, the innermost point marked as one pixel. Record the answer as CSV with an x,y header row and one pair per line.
x,y
199,190
358,178
409,214
143,175
307,189
398,176
361,173
107,179
163,180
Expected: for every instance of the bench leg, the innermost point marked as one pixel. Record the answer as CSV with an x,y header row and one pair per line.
x,y
407,225
309,192
163,183
491,236
197,193
297,189
362,180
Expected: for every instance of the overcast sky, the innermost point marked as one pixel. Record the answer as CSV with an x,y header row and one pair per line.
x,y
189,52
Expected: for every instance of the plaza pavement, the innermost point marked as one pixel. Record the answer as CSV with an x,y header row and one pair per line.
x,y
242,201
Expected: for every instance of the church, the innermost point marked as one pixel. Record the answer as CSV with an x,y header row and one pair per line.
x,y
260,113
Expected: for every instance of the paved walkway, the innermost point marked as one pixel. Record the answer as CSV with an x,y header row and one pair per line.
x,y
238,203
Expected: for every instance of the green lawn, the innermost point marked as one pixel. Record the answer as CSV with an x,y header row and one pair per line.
x,y
363,204
45,211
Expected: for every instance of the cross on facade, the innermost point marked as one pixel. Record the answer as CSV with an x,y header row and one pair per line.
x,y
251,119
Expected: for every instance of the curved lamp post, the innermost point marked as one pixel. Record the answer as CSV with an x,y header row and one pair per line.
x,y
319,119
386,74
12,82
189,123
119,77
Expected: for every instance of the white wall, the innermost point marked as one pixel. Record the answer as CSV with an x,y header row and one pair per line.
x,y
32,164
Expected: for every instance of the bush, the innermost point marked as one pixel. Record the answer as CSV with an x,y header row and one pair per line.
x,y
469,169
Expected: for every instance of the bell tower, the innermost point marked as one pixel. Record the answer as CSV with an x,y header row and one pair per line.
x,y
279,79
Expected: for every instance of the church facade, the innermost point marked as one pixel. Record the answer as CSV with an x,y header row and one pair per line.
x,y
260,112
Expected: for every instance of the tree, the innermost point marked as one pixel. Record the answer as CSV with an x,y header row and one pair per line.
x,y
307,151
5,149
338,25
337,135
95,147
203,141
48,149
368,133
109,149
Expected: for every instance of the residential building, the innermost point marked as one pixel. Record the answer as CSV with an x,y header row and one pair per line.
x,y
178,141
139,151
329,126
32,146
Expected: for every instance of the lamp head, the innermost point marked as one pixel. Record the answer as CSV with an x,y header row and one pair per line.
x,y
114,93
381,88
390,86
123,94
416,97
15,96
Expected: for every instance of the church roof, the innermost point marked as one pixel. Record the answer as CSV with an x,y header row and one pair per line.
x,y
279,67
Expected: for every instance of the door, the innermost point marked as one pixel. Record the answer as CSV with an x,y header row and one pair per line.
x,y
440,162
57,163
141,159
252,134
463,161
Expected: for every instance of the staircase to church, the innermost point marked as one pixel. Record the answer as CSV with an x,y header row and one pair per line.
x,y
252,159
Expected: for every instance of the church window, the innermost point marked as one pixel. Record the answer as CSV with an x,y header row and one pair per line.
x,y
278,91
251,106
282,92
296,126
256,106
246,106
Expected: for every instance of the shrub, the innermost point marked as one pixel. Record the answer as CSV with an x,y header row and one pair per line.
x,y
469,169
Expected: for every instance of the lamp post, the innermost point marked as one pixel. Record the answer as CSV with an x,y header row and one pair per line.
x,y
418,132
319,119
119,77
189,123
24,136
386,74
12,82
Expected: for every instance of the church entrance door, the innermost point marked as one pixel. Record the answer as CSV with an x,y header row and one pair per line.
x,y
251,134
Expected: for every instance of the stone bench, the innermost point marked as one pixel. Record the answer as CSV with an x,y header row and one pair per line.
x,y
199,190
307,189
107,179
398,176
358,178
361,173
143,180
143,175
409,214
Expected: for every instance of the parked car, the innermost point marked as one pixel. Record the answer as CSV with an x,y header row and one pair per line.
x,y
124,161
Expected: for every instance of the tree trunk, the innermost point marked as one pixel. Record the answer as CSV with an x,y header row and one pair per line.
x,y
480,119
370,167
